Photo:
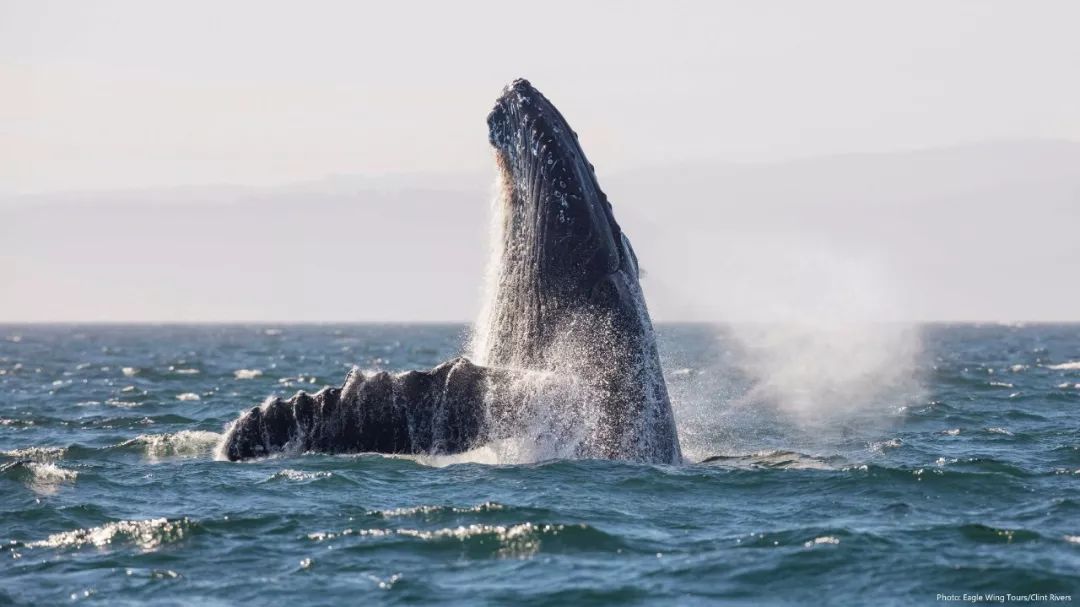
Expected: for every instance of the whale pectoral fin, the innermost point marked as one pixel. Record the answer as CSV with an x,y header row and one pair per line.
x,y
441,410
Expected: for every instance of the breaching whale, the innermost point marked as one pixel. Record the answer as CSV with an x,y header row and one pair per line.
x,y
564,350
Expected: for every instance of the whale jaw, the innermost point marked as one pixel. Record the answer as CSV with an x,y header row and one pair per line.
x,y
560,243
568,298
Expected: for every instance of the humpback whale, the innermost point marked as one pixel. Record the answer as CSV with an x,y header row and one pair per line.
x,y
564,350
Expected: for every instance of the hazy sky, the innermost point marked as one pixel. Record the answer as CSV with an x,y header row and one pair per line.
x,y
759,155
124,94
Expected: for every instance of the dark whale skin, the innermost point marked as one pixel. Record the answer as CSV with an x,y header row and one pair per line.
x,y
569,298
437,411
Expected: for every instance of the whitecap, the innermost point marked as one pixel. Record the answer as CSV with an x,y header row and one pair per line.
x,y
415,510
186,443
247,373
147,534
299,475
825,539
43,478
520,541
49,473
880,446
130,371
37,454
187,396
1072,365
952,432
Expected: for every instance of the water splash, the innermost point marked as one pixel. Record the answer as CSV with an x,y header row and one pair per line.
x,y
825,359
588,380
479,345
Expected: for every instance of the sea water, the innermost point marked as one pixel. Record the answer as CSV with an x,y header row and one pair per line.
x,y
816,474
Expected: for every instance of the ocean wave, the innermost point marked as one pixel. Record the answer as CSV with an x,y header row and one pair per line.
x,y
146,534
952,474
1072,365
988,465
520,540
40,477
881,446
986,534
37,454
247,373
186,443
777,458
802,537
428,510
824,539
110,422
298,475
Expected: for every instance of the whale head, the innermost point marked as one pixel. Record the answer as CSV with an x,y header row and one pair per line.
x,y
563,293
561,253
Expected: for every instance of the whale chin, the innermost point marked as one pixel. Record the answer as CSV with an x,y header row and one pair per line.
x,y
564,303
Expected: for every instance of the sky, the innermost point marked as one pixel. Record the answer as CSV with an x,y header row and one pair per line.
x,y
192,102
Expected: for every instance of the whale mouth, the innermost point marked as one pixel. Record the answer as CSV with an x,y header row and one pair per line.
x,y
559,222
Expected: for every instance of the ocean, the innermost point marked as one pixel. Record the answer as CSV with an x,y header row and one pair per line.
x,y
938,464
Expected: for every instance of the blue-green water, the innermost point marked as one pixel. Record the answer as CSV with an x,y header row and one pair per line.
x,y
959,474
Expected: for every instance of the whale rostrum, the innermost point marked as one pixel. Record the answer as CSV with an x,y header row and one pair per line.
x,y
564,351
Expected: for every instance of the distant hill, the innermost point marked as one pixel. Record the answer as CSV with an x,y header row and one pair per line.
x,y
985,231
968,232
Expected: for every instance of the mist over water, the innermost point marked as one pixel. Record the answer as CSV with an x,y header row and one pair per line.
x,y
823,363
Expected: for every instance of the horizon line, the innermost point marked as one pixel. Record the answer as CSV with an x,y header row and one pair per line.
x,y
135,323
